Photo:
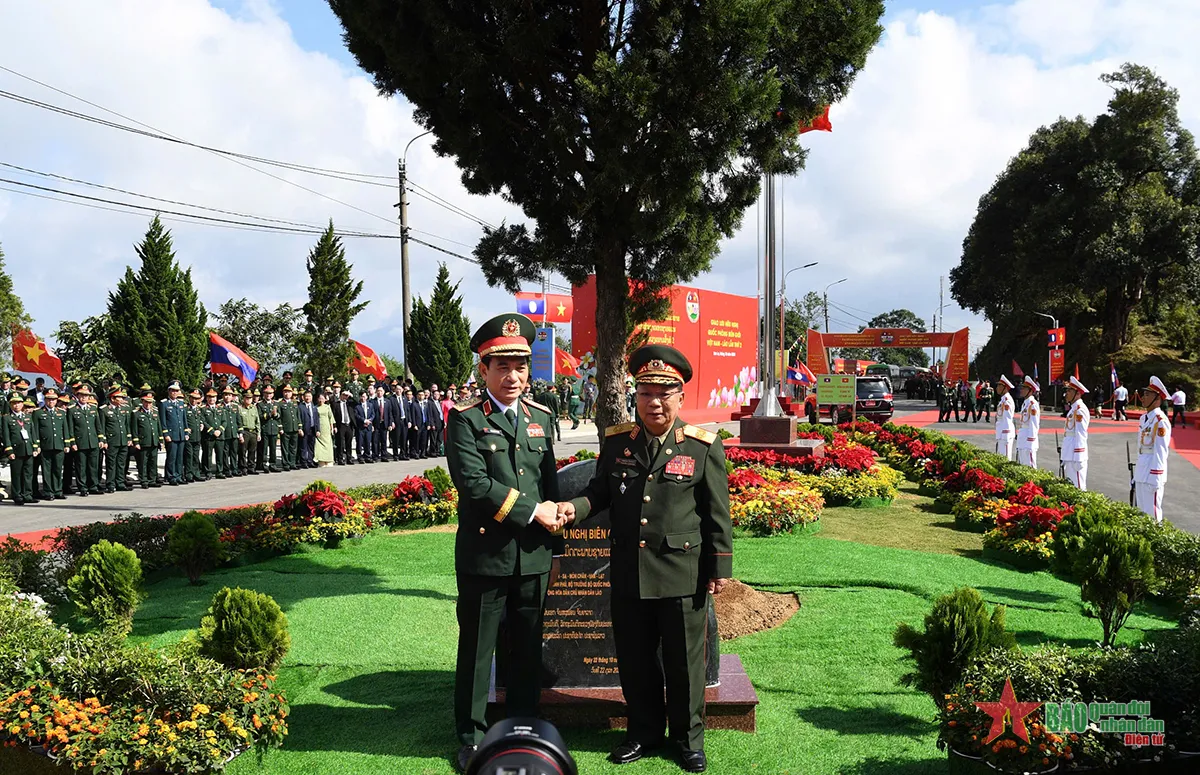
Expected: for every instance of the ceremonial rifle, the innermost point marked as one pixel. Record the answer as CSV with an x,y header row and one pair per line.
x,y
1130,464
1062,473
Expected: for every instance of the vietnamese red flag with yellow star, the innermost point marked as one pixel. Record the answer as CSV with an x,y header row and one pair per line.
x,y
818,124
566,363
366,361
31,356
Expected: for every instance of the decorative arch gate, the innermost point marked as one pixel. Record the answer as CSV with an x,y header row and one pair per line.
x,y
957,363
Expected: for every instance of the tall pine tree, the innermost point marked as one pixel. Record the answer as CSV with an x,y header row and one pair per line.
x,y
157,327
12,313
439,335
325,345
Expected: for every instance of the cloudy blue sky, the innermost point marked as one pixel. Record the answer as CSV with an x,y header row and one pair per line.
x,y
950,94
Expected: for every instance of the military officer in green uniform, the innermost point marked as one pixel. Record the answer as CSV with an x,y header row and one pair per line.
x,y
248,426
289,428
501,458
268,417
308,386
231,419
6,392
118,435
665,485
548,397
214,445
21,446
354,386
52,438
87,434
147,437
192,470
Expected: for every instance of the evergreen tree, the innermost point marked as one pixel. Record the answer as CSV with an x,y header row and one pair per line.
x,y
12,313
325,345
157,327
439,335
85,350
632,134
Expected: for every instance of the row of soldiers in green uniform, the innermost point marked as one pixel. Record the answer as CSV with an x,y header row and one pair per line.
x,y
70,440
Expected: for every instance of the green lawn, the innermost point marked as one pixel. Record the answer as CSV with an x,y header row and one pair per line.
x,y
370,673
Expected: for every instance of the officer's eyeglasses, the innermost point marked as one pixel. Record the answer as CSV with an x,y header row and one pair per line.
x,y
650,398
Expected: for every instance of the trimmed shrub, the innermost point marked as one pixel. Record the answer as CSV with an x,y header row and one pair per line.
x,y
1115,571
147,536
371,492
440,479
105,585
318,485
958,629
244,630
194,543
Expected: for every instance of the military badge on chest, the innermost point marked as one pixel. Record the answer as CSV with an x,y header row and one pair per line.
x,y
681,466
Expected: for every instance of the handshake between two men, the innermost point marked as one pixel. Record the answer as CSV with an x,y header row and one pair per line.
x,y
554,516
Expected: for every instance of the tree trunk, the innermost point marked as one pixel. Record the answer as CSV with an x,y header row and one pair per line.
x,y
612,300
1119,303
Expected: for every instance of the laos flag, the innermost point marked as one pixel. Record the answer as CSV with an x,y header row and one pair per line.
x,y
227,358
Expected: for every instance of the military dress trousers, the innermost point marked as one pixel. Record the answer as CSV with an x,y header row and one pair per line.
x,y
118,434
87,430
502,470
289,432
670,535
213,444
53,435
21,445
193,471
147,436
268,416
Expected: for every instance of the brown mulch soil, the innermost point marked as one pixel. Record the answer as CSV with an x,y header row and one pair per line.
x,y
742,610
451,528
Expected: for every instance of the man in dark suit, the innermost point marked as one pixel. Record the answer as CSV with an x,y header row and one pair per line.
x,y
309,424
414,430
401,420
364,426
343,425
418,437
433,413
383,419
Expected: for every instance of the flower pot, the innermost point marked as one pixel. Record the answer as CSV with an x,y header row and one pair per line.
x,y
1018,771
965,764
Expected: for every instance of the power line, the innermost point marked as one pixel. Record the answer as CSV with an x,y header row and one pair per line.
x,y
305,229
443,239
849,314
452,208
157,134
160,199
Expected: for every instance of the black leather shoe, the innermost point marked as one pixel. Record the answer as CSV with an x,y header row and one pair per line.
x,y
692,761
630,751
465,754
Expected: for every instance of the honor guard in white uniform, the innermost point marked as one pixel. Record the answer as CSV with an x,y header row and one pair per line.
x,y
1074,453
1031,423
1005,429
1154,442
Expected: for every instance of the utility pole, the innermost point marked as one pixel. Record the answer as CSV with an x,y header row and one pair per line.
x,y
827,311
768,402
405,289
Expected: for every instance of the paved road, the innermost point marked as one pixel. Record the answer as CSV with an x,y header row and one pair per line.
x,y
1107,471
230,492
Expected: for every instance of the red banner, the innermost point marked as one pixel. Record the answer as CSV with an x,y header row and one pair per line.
x,y
366,361
31,356
1056,363
718,332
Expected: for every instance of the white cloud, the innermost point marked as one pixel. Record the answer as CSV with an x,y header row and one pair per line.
x,y
944,102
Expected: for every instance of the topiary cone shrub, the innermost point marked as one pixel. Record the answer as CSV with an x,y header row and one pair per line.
x,y
958,629
1115,571
194,544
105,585
244,630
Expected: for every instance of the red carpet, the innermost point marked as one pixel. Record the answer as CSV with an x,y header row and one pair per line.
x,y
38,539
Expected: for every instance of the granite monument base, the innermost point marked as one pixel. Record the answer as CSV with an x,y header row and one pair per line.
x,y
798,447
767,430
730,705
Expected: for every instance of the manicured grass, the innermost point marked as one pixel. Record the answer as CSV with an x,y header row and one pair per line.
x,y
909,523
370,674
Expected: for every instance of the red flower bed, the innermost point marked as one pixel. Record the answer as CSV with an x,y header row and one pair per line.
x,y
851,458
1026,493
412,489
967,478
745,478
1028,522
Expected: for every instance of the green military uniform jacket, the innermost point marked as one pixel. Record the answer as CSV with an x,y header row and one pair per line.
x,y
86,428
248,419
231,421
268,416
213,419
146,430
670,530
501,474
194,417
118,424
6,408
52,430
289,416
355,387
18,443
310,387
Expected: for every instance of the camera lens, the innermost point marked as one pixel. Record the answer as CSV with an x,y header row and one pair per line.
x,y
522,746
